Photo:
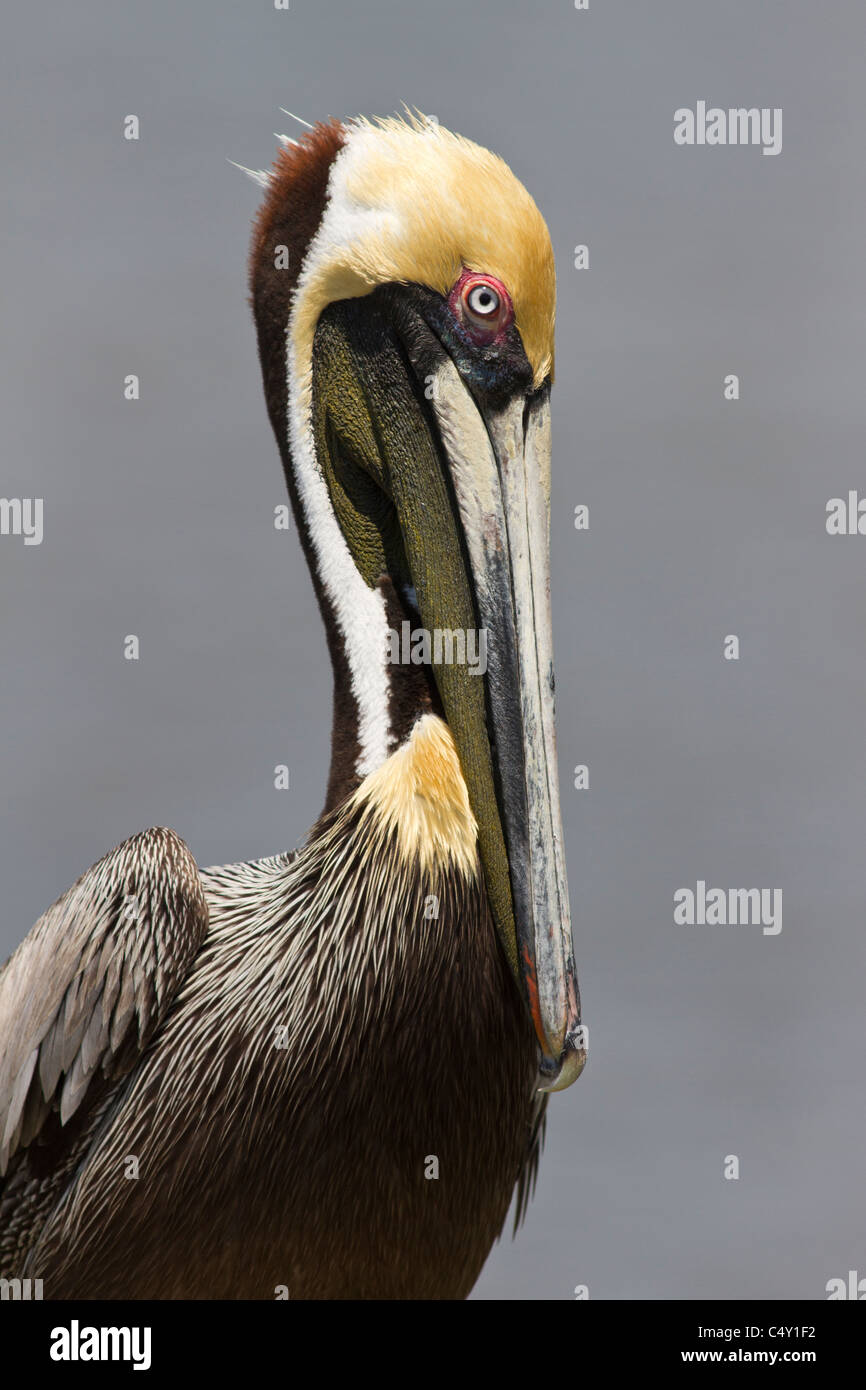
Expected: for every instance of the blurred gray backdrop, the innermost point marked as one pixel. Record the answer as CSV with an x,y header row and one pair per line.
x,y
707,518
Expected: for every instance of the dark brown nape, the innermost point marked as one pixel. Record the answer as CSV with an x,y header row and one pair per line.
x,y
290,216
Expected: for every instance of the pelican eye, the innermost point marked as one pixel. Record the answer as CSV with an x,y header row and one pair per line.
x,y
482,305
483,301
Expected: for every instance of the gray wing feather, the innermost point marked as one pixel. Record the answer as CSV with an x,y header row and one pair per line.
x,y
85,991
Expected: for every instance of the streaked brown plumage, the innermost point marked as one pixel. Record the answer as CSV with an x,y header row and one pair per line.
x,y
302,1166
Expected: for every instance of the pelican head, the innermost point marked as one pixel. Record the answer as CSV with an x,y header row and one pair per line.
x,y
403,287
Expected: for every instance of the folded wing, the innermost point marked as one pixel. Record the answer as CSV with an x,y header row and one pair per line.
x,y
84,993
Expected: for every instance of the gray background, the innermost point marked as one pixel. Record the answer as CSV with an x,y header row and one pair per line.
x,y
707,518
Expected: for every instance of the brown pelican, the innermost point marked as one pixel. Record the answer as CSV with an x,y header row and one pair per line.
x,y
324,1073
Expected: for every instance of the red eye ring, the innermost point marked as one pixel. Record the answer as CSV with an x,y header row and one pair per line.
x,y
482,304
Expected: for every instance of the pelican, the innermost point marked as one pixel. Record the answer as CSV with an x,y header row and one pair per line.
x,y
324,1074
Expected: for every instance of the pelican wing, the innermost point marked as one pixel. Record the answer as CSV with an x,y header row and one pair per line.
x,y
84,993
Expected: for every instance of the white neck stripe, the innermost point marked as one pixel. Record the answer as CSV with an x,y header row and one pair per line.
x,y
359,611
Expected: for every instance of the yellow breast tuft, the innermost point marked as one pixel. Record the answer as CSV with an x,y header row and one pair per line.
x,y
420,796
